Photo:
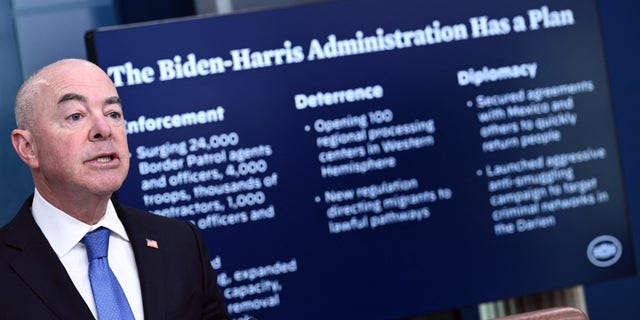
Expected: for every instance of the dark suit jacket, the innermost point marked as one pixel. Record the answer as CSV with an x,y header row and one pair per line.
x,y
176,279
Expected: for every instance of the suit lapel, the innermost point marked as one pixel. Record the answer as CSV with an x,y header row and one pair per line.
x,y
150,263
39,267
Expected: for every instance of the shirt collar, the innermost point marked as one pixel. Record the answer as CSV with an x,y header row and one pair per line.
x,y
64,231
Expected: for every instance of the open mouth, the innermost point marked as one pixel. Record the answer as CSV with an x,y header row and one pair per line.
x,y
105,158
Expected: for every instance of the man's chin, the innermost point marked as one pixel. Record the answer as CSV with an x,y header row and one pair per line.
x,y
106,188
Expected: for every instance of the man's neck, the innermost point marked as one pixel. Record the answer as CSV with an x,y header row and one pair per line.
x,y
88,208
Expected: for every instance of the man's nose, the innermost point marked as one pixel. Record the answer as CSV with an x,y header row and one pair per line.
x,y
100,128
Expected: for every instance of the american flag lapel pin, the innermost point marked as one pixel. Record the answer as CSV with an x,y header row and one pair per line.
x,y
152,244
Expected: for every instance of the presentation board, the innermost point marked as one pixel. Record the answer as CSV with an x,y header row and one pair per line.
x,y
376,159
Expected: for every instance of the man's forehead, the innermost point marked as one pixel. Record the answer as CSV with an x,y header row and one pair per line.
x,y
73,80
69,83
107,100
76,71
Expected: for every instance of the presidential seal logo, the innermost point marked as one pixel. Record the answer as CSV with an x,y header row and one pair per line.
x,y
604,251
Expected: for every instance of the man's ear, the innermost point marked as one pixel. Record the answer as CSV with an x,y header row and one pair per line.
x,y
25,148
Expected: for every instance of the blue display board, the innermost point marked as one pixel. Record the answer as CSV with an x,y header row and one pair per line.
x,y
377,160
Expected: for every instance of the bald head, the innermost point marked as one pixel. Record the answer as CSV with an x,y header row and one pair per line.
x,y
27,96
71,133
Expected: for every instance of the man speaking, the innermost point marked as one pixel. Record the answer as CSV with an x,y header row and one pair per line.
x,y
73,251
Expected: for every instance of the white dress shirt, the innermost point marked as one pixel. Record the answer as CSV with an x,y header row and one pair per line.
x,y
64,234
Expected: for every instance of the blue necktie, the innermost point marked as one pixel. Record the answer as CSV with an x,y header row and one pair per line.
x,y
110,299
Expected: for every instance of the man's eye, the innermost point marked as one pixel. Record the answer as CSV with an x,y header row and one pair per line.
x,y
75,117
115,115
